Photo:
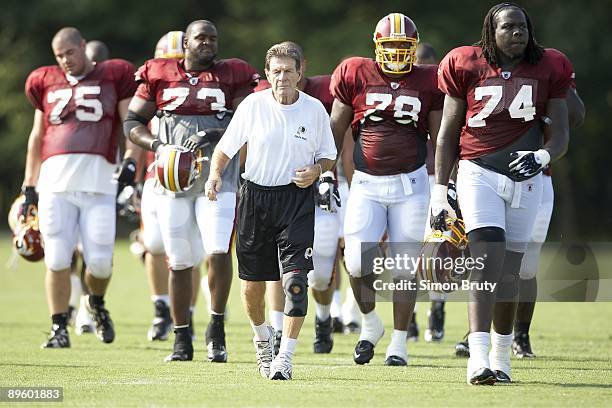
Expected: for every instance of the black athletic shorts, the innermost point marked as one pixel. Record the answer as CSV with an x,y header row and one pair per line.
x,y
274,223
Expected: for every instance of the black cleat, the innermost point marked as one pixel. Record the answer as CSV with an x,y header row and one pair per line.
x,y
462,349
502,377
352,328
483,376
323,342
395,361
162,323
215,340
182,350
58,338
337,326
364,351
413,329
278,335
521,346
105,330
435,331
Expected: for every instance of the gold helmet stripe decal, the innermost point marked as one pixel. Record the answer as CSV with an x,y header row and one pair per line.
x,y
169,169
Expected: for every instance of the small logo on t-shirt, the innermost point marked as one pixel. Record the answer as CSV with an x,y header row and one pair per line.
x,y
308,253
506,74
300,133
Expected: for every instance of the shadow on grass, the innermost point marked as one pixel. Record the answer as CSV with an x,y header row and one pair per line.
x,y
567,385
45,365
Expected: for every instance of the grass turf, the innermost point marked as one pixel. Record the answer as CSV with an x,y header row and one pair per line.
x,y
573,343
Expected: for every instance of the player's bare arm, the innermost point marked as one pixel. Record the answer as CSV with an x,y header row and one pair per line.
x,y
575,108
447,143
556,133
217,166
341,117
140,112
33,159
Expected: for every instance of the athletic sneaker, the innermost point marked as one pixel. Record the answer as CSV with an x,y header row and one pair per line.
x,y
435,331
413,329
215,340
105,330
58,338
502,377
462,348
521,346
182,350
281,369
323,342
162,323
83,321
482,376
264,350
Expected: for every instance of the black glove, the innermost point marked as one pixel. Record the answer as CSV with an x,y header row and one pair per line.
x,y
328,193
197,141
451,196
527,164
126,175
29,207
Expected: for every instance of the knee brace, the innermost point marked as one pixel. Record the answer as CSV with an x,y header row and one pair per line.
x,y
295,286
508,286
100,268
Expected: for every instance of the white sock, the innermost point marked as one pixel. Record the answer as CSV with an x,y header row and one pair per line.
x,y
261,332
75,290
336,305
397,347
276,318
371,327
163,298
479,351
322,311
212,312
499,357
287,348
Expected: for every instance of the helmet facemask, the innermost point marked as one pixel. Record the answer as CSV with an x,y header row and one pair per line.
x,y
393,59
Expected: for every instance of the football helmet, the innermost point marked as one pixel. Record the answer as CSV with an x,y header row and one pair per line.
x,y
170,45
439,257
176,167
27,239
393,29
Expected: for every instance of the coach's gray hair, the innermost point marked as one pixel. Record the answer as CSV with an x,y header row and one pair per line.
x,y
284,50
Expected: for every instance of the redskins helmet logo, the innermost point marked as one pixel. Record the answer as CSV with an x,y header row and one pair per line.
x,y
396,38
176,168
437,263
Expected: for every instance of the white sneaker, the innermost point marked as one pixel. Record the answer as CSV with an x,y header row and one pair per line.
x,y
83,322
280,369
264,350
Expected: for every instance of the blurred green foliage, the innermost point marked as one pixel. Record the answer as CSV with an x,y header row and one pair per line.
x,y
328,30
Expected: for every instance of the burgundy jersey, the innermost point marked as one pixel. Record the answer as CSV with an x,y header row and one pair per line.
x,y
390,115
81,116
501,105
207,92
316,86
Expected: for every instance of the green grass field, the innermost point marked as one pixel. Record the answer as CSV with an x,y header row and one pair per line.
x,y
573,368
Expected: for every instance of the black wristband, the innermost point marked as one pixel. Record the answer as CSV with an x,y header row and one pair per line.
x,y
155,144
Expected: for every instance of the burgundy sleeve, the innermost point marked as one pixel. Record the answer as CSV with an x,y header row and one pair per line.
x,y
449,78
34,89
145,89
562,78
126,84
247,79
341,86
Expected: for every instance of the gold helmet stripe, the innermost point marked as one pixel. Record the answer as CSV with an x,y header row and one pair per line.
x,y
397,24
169,169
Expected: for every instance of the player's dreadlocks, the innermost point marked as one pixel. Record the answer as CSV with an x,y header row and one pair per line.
x,y
533,51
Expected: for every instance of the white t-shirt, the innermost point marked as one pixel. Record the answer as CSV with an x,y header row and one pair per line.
x,y
90,173
281,138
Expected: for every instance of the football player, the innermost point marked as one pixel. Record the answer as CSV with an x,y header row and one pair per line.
x,y
169,46
327,228
392,104
511,94
72,151
193,95
528,287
